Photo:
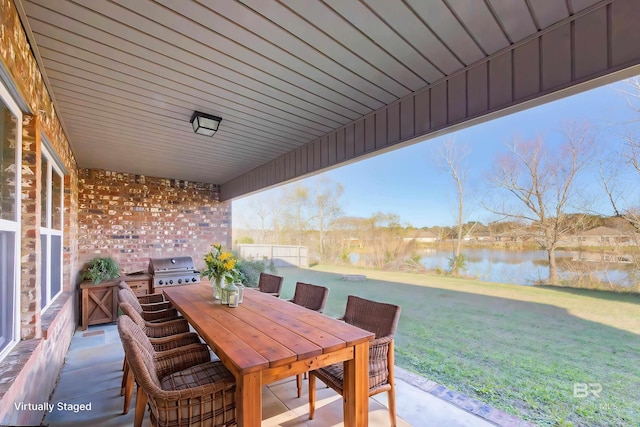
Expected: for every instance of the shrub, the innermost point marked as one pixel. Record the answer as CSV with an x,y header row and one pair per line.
x,y
457,263
250,271
100,269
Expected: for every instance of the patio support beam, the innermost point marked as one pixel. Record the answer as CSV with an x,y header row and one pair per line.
x,y
589,49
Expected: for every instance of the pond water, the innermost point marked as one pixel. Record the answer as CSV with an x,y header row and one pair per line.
x,y
525,267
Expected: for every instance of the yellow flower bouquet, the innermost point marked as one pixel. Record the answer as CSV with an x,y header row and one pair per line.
x,y
221,268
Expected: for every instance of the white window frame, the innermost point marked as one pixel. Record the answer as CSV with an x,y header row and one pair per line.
x,y
14,226
48,231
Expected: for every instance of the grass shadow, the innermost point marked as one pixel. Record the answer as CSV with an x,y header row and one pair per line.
x,y
630,297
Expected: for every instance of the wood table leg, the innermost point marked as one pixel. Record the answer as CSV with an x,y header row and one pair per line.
x,y
128,389
125,371
356,387
141,407
249,399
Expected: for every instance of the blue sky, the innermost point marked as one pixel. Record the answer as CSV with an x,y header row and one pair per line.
x,y
406,181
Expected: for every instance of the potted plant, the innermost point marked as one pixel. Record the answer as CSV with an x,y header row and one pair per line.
x,y
99,303
101,269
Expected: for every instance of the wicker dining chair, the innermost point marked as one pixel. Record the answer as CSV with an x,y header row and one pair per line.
x,y
382,320
164,335
270,284
149,302
157,329
152,314
183,387
313,297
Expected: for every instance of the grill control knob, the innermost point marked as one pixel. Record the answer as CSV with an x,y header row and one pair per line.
x,y
179,281
160,282
193,279
171,282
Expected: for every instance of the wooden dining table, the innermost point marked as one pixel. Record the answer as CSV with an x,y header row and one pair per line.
x,y
266,339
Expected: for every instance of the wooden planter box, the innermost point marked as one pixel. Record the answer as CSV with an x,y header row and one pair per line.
x,y
99,303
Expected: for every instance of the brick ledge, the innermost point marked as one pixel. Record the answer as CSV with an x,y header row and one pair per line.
x,y
49,318
13,364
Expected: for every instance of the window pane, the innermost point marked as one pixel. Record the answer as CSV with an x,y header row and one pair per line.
x,y
43,192
8,127
43,270
50,232
56,201
7,249
56,265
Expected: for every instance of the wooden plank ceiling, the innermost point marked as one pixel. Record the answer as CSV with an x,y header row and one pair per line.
x,y
126,75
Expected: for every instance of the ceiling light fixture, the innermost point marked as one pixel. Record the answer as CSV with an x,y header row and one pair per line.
x,y
205,124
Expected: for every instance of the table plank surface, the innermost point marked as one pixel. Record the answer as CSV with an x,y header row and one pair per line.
x,y
254,335
285,336
309,328
345,332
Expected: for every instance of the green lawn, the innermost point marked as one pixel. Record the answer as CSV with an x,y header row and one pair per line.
x,y
521,349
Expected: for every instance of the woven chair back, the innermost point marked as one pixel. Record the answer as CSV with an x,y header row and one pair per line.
x,y
313,297
125,285
139,352
129,297
270,283
377,317
133,314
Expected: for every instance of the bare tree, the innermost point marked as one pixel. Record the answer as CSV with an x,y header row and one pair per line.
x,y
452,159
537,185
344,237
296,217
262,215
326,203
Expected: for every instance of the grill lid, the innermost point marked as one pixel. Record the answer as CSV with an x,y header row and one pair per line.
x,y
172,264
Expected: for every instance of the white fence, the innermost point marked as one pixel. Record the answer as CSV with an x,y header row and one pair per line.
x,y
281,255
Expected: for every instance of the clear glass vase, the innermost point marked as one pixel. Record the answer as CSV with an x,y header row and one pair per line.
x,y
217,284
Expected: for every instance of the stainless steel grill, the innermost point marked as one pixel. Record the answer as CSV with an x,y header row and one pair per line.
x,y
173,271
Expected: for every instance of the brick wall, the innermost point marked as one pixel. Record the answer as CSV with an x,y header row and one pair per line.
x,y
133,218
30,239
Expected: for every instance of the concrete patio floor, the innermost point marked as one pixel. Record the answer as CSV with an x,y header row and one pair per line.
x,y
92,374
